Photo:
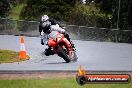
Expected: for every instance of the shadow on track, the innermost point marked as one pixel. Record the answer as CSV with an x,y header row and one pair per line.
x,y
60,63
57,63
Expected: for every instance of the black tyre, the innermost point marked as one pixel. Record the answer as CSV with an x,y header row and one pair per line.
x,y
63,54
81,80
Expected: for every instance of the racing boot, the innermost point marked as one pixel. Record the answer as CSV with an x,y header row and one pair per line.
x,y
68,38
72,45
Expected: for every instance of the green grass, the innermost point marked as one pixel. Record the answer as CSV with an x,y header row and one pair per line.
x,y
7,56
15,11
55,83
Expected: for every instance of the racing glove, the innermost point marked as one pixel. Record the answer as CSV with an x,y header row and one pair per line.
x,y
42,42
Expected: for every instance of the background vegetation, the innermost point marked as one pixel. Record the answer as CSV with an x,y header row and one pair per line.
x,y
99,13
95,13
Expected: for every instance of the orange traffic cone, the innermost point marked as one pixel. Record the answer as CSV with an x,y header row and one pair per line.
x,y
22,53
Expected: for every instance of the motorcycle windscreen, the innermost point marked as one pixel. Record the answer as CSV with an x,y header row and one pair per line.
x,y
53,34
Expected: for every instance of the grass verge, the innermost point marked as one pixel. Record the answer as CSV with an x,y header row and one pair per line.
x,y
8,56
55,83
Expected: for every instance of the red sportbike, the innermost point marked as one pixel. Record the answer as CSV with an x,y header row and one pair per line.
x,y
62,47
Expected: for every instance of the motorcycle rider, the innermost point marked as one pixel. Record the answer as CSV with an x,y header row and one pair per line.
x,y
46,26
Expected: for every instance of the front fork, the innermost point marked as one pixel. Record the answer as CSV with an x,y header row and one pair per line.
x,y
68,46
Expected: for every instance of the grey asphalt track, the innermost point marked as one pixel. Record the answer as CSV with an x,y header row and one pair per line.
x,y
95,56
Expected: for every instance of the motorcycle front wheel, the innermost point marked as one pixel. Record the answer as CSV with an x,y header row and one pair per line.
x,y
63,54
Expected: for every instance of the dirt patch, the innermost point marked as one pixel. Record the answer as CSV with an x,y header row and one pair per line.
x,y
46,74
37,75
